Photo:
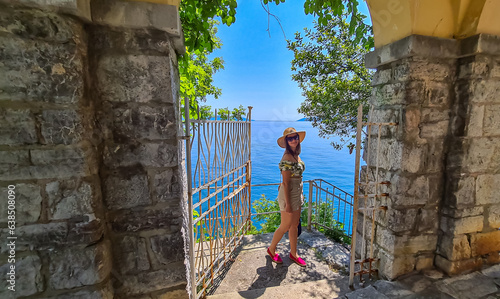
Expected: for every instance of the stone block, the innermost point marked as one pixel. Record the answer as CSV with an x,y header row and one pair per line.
x,y
410,245
61,126
493,258
463,212
493,213
48,236
131,254
483,91
416,187
14,157
475,123
388,94
168,248
470,286
144,122
401,220
492,119
434,130
495,69
78,8
68,199
126,192
457,267
28,277
28,203
146,219
478,69
166,186
76,267
392,267
175,294
419,68
427,220
65,162
39,25
146,154
134,78
484,243
101,292
138,15
462,191
151,281
487,189
424,262
382,77
34,70
454,248
429,93
389,156
17,127
459,226
483,154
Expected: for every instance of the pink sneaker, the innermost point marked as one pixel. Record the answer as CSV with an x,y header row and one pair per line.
x,y
298,261
275,258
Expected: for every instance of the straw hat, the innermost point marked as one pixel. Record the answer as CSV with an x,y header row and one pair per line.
x,y
290,131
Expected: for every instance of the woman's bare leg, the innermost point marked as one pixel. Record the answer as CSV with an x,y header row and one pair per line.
x,y
293,232
286,220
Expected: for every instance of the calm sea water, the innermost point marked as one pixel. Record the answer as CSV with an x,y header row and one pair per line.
x,y
321,159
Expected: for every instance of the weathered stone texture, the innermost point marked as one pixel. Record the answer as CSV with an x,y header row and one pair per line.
x,y
17,127
75,267
104,292
485,243
153,280
146,219
28,278
47,236
464,225
144,122
44,72
145,154
168,249
38,24
494,216
137,78
487,189
455,247
121,192
69,199
460,266
131,254
28,203
61,126
167,186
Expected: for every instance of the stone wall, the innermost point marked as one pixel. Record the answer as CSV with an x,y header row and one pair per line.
x,y
422,85
470,217
89,138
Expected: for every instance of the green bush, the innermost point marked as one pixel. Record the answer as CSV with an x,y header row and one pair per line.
x,y
325,216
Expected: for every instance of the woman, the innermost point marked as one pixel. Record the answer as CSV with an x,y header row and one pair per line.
x,y
290,195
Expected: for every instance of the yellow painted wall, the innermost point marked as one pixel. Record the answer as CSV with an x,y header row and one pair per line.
x,y
395,19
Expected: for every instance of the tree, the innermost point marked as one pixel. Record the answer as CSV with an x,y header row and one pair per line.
x,y
329,68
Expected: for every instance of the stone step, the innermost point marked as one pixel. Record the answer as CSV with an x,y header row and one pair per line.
x,y
318,289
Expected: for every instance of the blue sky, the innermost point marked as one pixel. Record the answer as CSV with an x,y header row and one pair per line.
x,y
257,67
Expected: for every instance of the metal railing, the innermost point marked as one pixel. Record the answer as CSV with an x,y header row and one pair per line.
x,y
328,206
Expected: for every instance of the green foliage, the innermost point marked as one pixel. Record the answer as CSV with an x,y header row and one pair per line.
x,y
327,10
206,112
235,114
324,212
329,67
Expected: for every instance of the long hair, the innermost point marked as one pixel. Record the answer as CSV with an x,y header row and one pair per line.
x,y
289,149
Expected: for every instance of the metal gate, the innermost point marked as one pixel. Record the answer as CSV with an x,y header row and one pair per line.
x,y
218,173
370,186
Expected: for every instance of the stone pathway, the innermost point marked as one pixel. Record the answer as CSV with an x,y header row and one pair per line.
x,y
253,275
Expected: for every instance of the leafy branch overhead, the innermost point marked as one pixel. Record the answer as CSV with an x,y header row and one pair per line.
x,y
329,67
